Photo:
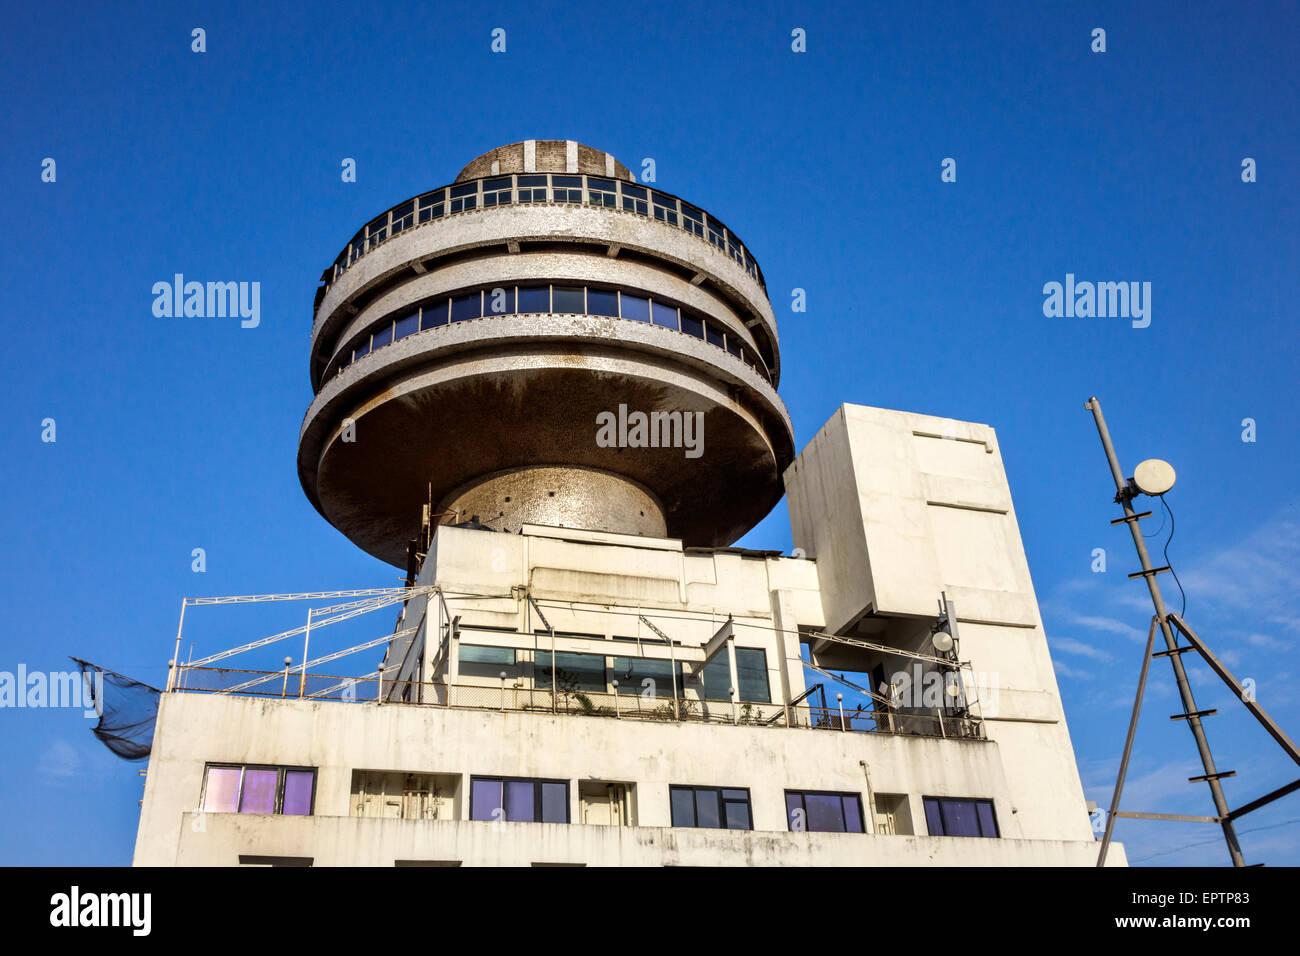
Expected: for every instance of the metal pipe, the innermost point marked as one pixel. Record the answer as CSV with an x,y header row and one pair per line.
x,y
306,640
1124,495
176,654
1128,744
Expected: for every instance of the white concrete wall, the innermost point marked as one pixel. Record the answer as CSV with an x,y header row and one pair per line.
x,y
338,738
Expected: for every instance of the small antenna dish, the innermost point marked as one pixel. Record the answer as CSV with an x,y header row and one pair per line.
x,y
1154,476
942,641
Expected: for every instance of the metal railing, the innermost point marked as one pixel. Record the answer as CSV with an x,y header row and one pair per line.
x,y
569,189
375,688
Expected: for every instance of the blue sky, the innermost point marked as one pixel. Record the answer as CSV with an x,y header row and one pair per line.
x,y
927,296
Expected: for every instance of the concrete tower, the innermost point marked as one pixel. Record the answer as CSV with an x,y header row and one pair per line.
x,y
466,340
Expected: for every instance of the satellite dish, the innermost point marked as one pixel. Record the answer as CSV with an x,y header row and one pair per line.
x,y
1154,476
942,641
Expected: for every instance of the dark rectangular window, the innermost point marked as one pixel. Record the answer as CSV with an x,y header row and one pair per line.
x,y
634,199
431,205
819,811
468,306
959,816
499,301
377,231
713,334
716,235
406,325
496,192
665,315
479,654
602,302
635,307
692,219
535,298
568,299
733,346
519,800
362,348
238,788
566,188
751,672
381,336
433,314
665,208
600,192
751,669
692,326
716,808
574,672
632,673
404,216
464,196
532,189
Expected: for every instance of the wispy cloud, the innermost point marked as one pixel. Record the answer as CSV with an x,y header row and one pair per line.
x,y
1069,645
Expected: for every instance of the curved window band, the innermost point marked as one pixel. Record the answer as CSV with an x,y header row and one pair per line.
x,y
549,298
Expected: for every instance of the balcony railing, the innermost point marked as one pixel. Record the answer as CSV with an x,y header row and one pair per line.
x,y
570,702
528,188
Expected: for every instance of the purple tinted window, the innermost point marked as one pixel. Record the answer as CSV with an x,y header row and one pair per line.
x,y
933,822
707,811
825,813
297,792
636,307
959,818
407,325
519,801
222,792
794,812
852,815
258,792
485,800
602,302
555,803
683,807
988,826
666,315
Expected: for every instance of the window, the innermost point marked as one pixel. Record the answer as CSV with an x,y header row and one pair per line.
x,y
693,219
600,192
535,298
406,325
519,800
955,816
532,189
635,307
431,205
382,336
821,812
468,306
568,299
362,348
479,654
634,199
713,335
665,315
717,233
496,192
665,208
602,302
500,301
238,788
575,672
692,326
377,231
751,672
567,188
404,216
464,196
710,807
632,673
433,314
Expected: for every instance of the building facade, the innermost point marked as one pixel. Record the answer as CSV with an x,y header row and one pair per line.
x,y
583,671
